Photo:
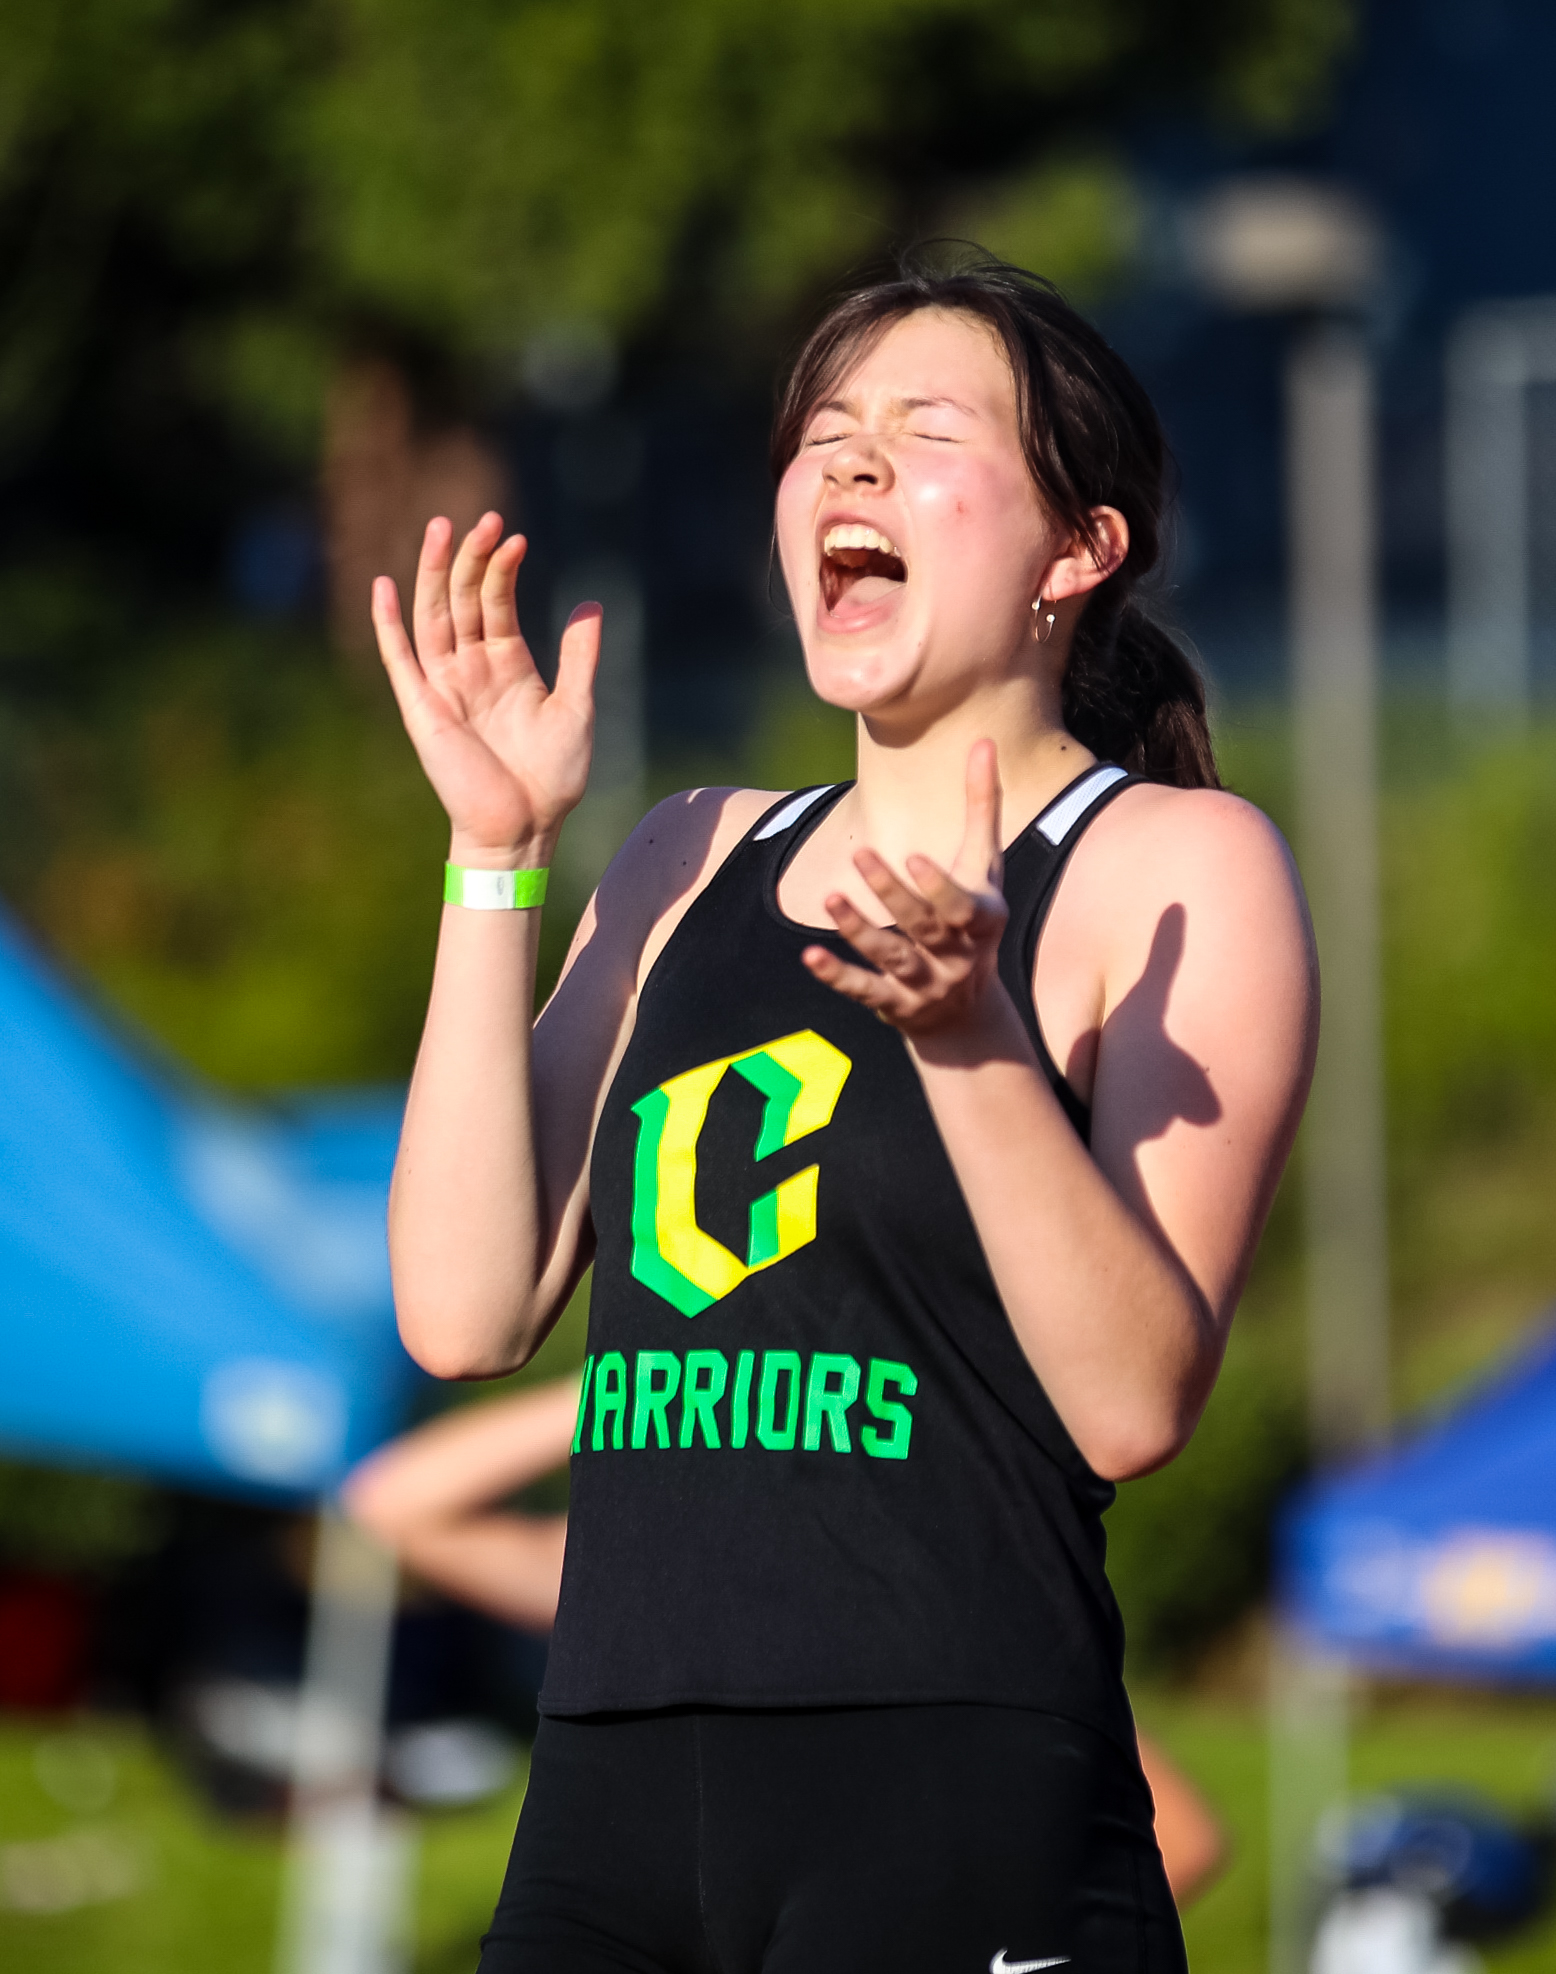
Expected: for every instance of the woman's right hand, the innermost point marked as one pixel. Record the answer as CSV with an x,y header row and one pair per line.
x,y
508,757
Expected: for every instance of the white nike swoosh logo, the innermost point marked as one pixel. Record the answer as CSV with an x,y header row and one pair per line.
x,y
1000,1965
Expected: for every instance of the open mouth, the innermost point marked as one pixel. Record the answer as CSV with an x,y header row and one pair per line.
x,y
859,565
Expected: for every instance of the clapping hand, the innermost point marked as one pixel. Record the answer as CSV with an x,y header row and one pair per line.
x,y
508,757
930,970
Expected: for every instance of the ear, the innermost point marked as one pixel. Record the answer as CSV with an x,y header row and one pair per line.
x,y
1079,569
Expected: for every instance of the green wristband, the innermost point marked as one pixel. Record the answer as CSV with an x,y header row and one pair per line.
x,y
493,890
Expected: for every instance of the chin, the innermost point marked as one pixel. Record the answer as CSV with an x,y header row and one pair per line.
x,y
860,681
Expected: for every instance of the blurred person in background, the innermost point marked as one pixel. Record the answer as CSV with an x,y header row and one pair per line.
x,y
434,1497
836,1678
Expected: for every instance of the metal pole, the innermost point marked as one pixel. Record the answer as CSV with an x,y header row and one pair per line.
x,y
1486,497
1334,663
349,1861
1308,1747
1334,649
614,802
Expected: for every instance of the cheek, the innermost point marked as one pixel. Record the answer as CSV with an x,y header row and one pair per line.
x,y
792,514
976,522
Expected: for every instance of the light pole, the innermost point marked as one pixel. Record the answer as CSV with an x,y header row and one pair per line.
x,y
346,1896
571,368
1309,250
1334,662
1499,354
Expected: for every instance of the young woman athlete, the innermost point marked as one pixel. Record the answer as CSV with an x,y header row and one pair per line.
x,y
919,1184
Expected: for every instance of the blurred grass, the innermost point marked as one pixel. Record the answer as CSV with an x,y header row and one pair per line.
x,y
1503,1745
209,1890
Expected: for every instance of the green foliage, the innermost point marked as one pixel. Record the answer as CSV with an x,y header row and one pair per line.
x,y
530,163
272,373
1468,847
1081,214
797,739
1282,60
53,1518
166,122
1471,944
1188,1548
244,855
533,163
473,173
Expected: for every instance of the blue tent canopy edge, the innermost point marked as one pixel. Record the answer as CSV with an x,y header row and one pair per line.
x,y
1439,1556
188,1289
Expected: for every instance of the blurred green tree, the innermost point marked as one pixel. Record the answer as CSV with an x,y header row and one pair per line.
x,y
246,197
255,249
486,173
477,171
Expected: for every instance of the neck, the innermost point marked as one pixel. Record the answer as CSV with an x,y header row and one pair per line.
x,y
912,774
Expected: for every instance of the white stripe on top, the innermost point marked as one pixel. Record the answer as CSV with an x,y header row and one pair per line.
x,y
1057,821
791,813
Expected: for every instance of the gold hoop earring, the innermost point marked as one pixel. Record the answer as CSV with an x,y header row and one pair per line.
x,y
1046,632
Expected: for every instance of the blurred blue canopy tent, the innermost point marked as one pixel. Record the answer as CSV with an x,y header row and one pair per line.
x,y
187,1289
1440,1557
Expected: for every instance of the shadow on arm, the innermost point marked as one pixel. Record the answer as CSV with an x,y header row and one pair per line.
x,y
1144,1080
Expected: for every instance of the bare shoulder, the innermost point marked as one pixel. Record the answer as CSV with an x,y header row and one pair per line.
x,y
659,871
1193,882
687,836
1201,847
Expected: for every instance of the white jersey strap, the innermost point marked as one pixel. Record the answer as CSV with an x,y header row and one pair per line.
x,y
1060,817
791,812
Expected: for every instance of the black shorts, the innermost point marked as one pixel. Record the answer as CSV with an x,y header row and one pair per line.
x,y
879,1840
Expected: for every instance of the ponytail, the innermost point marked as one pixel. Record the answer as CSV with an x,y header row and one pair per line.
x,y
1092,439
1132,695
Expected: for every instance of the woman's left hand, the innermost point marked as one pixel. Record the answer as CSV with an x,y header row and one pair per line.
x,y
934,966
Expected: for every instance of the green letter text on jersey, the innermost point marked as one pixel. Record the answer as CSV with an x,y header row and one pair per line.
x,y
801,1076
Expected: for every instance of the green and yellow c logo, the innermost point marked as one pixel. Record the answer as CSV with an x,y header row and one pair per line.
x,y
801,1076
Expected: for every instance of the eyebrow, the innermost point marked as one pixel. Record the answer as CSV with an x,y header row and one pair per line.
x,y
901,404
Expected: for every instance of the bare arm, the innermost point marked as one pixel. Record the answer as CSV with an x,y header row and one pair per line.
x,y
429,1497
489,1227
481,1262
1120,1266
1192,1844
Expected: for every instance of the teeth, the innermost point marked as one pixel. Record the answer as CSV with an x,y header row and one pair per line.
x,y
854,534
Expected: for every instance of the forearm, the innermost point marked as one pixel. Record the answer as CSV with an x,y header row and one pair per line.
x,y
1109,1319
509,1566
460,1463
467,1220
429,1496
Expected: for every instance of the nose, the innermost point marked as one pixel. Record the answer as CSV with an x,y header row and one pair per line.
x,y
860,461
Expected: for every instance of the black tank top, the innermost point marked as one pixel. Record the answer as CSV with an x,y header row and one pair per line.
x,y
813,1466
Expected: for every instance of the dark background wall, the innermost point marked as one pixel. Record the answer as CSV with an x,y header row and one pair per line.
x,y
1442,122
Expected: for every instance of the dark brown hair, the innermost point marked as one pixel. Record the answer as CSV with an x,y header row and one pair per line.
x,y
1092,439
